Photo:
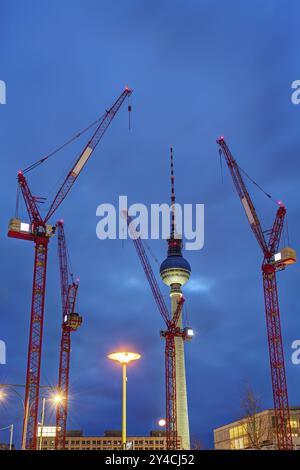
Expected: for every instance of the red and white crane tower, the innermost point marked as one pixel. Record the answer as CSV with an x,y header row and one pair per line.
x,y
71,321
273,261
39,231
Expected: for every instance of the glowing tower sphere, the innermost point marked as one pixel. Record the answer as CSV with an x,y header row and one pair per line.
x,y
175,269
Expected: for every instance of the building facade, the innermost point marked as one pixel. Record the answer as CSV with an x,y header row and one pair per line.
x,y
111,440
255,432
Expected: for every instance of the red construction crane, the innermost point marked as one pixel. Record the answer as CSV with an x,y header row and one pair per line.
x,y
71,321
40,232
172,331
272,262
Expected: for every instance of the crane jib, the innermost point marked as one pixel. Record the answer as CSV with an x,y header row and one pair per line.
x,y
248,211
81,161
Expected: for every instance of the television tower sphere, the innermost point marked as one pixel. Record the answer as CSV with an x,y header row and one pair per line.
x,y
175,269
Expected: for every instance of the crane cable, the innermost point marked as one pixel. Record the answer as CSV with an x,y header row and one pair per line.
x,y
17,202
151,252
76,136
256,184
251,179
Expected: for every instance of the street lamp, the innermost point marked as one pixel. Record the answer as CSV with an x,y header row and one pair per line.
x,y
13,388
11,426
56,399
161,422
124,358
11,432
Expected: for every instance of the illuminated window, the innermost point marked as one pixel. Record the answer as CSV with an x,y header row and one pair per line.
x,y
48,431
238,431
294,423
238,437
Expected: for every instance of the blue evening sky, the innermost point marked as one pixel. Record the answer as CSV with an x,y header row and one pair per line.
x,y
198,69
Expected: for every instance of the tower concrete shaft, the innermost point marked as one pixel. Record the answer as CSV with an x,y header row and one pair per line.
x,y
175,272
181,392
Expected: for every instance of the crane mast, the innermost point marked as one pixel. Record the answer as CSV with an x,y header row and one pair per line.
x,y
71,321
40,232
269,268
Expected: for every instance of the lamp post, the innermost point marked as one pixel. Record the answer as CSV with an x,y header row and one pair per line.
x,y
3,396
11,430
14,387
11,433
11,427
124,358
56,399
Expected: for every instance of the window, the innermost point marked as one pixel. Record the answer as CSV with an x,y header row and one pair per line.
x,y
238,431
294,427
294,423
238,437
236,444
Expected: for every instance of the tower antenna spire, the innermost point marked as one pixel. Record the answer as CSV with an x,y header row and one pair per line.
x,y
173,223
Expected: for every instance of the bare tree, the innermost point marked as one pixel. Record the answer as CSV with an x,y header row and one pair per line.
x,y
256,424
196,443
